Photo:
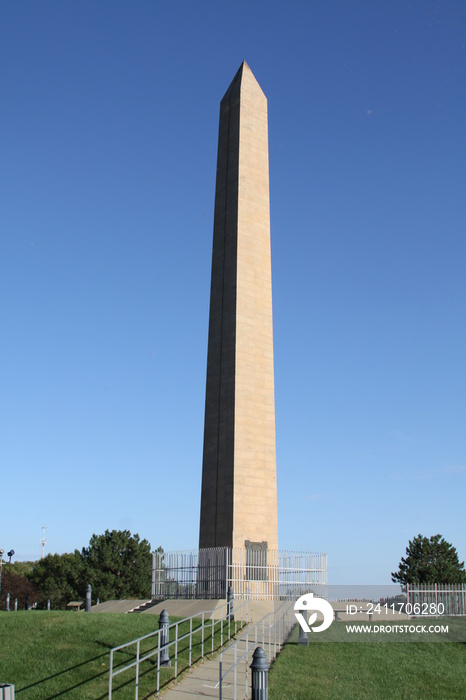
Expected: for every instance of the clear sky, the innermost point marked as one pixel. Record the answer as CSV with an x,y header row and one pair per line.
x,y
108,126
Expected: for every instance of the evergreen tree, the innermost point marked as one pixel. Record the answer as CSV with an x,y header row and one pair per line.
x,y
59,577
118,565
431,560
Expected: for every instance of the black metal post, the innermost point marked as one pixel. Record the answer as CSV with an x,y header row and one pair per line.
x,y
260,670
164,623
230,615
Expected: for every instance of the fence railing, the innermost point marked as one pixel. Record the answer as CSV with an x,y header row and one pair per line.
x,y
271,633
201,630
256,573
445,598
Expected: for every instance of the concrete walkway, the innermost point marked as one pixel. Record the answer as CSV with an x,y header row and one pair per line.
x,y
203,680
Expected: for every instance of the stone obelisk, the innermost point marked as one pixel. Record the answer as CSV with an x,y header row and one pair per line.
x,y
239,490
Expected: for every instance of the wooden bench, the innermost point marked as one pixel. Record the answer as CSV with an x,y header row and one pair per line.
x,y
75,605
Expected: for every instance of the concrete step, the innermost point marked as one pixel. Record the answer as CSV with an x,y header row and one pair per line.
x,y
145,607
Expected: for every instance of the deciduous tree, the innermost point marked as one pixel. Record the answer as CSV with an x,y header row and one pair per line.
x,y
18,586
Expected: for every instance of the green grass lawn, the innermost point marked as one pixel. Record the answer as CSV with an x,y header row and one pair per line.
x,y
66,654
375,670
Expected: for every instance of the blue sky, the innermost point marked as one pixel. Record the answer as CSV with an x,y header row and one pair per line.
x,y
108,132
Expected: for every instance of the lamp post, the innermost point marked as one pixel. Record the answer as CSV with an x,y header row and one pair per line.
x,y
9,555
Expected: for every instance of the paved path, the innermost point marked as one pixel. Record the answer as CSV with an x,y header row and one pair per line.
x,y
203,680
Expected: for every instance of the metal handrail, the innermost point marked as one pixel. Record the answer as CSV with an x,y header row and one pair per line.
x,y
281,626
241,613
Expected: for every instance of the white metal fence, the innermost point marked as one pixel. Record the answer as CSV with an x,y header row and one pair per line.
x,y
251,572
449,599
